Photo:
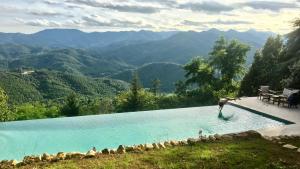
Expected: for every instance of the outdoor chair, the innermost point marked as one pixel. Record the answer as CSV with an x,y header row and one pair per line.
x,y
284,97
263,92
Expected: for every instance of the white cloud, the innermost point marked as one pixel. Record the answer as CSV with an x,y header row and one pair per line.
x,y
103,15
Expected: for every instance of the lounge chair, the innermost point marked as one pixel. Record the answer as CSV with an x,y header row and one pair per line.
x,y
263,92
283,98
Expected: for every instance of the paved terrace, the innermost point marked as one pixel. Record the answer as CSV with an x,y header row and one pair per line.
x,y
289,114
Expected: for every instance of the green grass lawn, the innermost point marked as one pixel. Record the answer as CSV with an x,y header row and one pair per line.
x,y
239,154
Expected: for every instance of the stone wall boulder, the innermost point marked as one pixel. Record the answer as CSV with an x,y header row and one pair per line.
x,y
90,154
8,163
121,149
31,159
155,146
248,134
129,148
61,156
161,145
105,151
148,147
75,155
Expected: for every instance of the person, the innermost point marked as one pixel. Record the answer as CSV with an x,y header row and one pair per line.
x,y
222,102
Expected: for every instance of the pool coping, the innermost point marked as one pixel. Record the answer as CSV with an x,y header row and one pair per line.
x,y
286,122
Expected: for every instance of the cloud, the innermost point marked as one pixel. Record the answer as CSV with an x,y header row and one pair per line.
x,y
216,22
40,23
206,6
118,7
92,21
267,5
45,13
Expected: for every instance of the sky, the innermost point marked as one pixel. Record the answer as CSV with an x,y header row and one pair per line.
x,y
28,16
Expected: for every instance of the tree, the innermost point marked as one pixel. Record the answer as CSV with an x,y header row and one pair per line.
x,y
71,107
218,75
5,113
155,86
180,88
228,60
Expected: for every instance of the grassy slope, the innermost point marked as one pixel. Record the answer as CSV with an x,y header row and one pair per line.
x,y
253,153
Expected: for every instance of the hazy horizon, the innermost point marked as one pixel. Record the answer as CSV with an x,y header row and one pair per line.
x,y
133,15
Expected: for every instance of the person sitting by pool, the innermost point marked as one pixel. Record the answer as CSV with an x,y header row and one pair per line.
x,y
222,102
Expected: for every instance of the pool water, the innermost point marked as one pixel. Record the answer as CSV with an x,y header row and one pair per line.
x,y
21,138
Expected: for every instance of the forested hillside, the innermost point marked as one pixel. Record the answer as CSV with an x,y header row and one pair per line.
x,y
76,61
42,85
167,73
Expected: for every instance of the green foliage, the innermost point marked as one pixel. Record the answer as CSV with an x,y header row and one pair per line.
x,y
167,73
218,75
277,65
71,106
5,113
135,99
155,86
36,110
143,100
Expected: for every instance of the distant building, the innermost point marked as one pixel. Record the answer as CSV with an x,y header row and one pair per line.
x,y
27,72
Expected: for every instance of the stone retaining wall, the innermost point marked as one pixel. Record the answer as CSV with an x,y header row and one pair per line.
x,y
127,149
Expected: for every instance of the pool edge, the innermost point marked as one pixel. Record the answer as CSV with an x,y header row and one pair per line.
x,y
286,122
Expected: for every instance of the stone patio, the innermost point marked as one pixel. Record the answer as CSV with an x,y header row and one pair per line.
x,y
285,113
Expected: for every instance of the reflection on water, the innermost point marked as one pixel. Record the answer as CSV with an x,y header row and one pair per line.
x,y
225,118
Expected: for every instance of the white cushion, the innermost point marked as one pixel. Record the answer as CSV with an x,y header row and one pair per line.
x,y
286,92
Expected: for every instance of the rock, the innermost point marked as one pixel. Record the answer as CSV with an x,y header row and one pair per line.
x,y
161,145
298,150
90,154
31,159
46,157
113,151
148,147
13,162
281,142
121,149
8,163
155,146
227,137
105,151
141,146
137,149
192,141
289,146
129,148
203,139
211,138
174,142
217,136
61,156
248,134
167,144
183,142
75,155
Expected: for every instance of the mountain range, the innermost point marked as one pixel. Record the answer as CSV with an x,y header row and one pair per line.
x,y
116,54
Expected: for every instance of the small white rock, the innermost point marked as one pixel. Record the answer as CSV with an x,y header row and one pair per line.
x,y
289,146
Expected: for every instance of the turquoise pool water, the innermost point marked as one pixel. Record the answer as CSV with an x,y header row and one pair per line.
x,y
21,138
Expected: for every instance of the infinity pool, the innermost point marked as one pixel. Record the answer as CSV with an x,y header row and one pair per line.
x,y
21,138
